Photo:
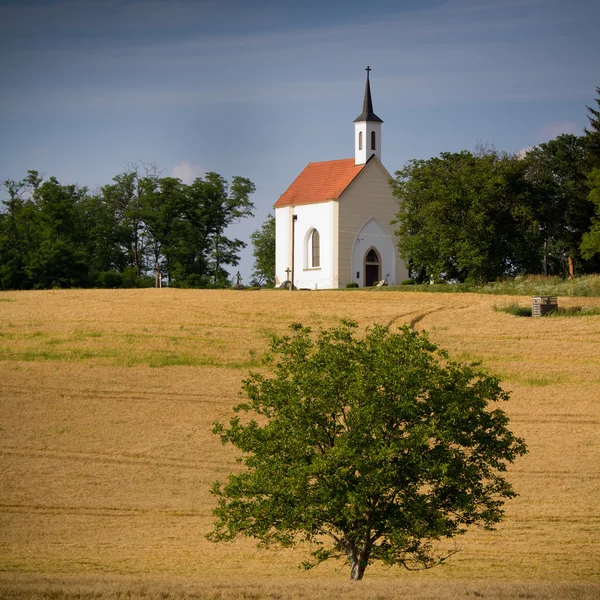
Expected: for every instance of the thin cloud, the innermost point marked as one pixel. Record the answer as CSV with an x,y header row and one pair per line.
x,y
187,171
522,153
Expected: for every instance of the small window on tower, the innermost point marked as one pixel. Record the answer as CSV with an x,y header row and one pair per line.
x,y
360,140
373,147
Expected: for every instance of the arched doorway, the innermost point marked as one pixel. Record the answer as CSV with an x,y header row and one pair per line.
x,y
372,267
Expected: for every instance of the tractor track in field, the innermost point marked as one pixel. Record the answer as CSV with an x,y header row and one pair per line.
x,y
421,314
117,395
414,320
109,458
587,475
98,511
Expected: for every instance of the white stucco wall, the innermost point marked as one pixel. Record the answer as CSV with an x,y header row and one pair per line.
x,y
321,216
372,235
366,127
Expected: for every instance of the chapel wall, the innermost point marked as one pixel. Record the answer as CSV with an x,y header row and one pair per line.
x,y
320,216
369,196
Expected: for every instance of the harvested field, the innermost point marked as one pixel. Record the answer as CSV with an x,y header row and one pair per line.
x,y
106,455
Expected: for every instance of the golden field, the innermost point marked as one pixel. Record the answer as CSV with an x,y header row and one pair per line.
x,y
106,457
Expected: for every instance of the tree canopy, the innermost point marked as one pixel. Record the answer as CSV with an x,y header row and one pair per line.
x,y
369,448
459,216
263,244
590,244
140,229
478,217
559,209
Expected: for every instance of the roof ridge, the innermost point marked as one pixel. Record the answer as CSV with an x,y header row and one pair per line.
x,y
318,162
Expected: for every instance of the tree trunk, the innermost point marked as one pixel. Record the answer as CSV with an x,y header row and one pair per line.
x,y
358,560
357,569
216,258
571,268
546,257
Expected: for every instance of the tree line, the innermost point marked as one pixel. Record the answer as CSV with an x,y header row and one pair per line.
x,y
484,215
139,230
466,216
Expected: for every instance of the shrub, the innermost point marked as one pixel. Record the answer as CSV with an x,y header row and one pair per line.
x,y
110,279
514,309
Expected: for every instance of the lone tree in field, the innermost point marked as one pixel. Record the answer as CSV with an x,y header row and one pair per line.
x,y
369,448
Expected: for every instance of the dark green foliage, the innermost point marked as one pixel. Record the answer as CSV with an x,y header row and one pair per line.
x,y
263,243
593,133
352,284
460,217
407,282
590,240
138,231
476,218
590,243
370,448
43,237
559,208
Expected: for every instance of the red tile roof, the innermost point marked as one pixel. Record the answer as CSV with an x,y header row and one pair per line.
x,y
320,181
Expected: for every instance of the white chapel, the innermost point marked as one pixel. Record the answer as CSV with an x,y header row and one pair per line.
x,y
333,222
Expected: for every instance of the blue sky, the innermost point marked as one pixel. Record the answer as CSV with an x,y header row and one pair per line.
x,y
261,88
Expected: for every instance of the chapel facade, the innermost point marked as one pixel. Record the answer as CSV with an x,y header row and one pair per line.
x,y
333,222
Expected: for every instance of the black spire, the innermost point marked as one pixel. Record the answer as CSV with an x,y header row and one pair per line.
x,y
367,113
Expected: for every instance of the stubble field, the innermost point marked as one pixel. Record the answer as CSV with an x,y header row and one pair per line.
x,y
106,457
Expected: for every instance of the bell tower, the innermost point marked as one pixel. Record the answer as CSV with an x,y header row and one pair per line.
x,y
367,129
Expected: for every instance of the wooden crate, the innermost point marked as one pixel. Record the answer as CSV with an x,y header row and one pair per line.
x,y
541,305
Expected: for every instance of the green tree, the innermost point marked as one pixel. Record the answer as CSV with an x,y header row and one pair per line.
x,y
226,204
162,208
18,236
460,216
200,249
178,231
560,209
58,235
590,242
60,258
188,254
263,243
128,196
370,448
105,241
593,133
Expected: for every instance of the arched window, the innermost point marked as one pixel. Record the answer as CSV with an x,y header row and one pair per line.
x,y
314,245
373,147
372,257
360,140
